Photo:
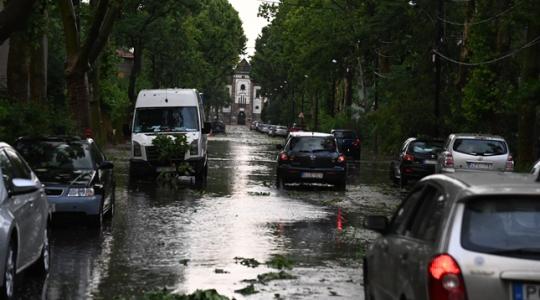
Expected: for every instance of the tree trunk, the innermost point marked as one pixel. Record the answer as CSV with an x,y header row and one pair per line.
x,y
18,67
14,16
135,71
529,103
78,94
464,52
96,117
38,72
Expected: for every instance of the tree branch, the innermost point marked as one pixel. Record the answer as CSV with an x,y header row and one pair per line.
x,y
106,29
71,33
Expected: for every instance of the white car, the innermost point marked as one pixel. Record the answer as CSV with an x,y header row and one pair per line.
x,y
169,112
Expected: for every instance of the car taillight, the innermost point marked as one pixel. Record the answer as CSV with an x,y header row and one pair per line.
x,y
283,156
356,142
445,279
408,157
448,160
341,159
510,163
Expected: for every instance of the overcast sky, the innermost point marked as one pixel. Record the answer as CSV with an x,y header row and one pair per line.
x,y
252,24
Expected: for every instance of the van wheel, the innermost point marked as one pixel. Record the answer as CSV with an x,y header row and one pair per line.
x,y
201,178
8,285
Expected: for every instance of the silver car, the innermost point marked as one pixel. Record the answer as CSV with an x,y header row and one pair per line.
x,y
459,236
24,219
475,152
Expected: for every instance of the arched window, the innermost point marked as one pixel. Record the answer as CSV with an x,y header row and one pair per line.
x,y
243,87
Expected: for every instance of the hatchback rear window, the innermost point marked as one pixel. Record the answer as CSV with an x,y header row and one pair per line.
x,y
345,135
503,226
312,144
480,147
425,147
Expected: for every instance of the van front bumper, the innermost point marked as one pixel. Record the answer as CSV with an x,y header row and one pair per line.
x,y
144,167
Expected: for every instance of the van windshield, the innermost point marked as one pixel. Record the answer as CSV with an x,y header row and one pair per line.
x,y
166,119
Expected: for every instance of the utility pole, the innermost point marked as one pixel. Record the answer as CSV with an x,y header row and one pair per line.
x,y
437,60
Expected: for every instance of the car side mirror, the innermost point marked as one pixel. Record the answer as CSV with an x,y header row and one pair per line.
x,y
279,147
22,186
376,223
106,165
207,128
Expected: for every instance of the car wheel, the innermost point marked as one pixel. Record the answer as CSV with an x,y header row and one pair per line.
x,y
43,264
200,179
96,221
8,286
402,181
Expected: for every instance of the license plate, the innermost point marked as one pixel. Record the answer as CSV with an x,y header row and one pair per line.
x,y
312,175
479,166
430,162
165,169
525,291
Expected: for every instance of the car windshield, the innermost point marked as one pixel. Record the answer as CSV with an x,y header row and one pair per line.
x,y
312,144
425,147
65,156
480,147
345,135
166,119
505,226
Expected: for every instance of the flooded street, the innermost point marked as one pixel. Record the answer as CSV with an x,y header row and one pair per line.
x,y
187,239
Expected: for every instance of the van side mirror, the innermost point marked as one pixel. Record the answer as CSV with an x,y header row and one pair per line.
x,y
22,186
376,223
207,128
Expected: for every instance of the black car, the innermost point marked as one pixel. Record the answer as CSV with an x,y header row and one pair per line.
x,y
218,127
311,157
416,158
78,178
348,142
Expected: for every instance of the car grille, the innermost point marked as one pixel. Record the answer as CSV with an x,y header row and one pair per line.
x,y
54,192
151,153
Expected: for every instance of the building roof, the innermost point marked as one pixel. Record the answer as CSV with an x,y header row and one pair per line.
x,y
243,67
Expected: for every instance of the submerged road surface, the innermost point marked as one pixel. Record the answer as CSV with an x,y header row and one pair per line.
x,y
185,239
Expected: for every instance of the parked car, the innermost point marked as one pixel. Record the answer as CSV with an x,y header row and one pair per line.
x,y
296,128
24,220
280,131
265,128
416,159
271,130
536,168
218,126
253,125
311,157
475,152
77,176
348,142
170,112
459,236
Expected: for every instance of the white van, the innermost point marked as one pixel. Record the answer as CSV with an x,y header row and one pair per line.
x,y
170,112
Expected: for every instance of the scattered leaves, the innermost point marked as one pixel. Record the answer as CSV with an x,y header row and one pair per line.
x,y
197,295
280,262
248,290
248,262
267,277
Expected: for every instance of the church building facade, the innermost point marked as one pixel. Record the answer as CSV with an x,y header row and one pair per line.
x,y
246,99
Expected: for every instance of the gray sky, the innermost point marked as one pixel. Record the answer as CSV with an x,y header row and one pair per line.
x,y
252,24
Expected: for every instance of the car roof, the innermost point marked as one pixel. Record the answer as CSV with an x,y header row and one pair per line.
x,y
56,138
465,184
167,98
477,135
310,134
3,145
342,130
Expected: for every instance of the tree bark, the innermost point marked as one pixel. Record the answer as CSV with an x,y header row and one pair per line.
x,y
38,72
18,68
79,99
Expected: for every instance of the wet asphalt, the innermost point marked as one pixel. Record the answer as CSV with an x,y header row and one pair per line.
x,y
184,239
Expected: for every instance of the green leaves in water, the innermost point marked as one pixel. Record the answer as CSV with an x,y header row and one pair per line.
x,y
267,277
280,262
248,290
197,295
248,262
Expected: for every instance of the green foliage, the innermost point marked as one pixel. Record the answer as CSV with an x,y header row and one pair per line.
x,y
281,275
280,262
171,148
197,295
248,262
248,290
31,119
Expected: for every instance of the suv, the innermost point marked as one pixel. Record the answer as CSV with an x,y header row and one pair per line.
x,y
348,142
24,220
459,236
475,152
311,157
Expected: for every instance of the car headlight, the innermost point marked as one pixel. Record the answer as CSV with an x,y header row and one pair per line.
x,y
137,149
194,148
81,192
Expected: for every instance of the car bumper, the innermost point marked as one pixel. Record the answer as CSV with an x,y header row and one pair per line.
x,y
417,171
86,205
329,175
142,167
